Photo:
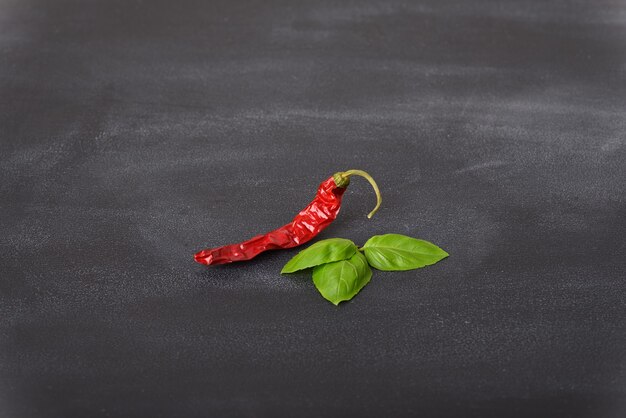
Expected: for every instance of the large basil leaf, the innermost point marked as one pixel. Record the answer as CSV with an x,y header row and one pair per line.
x,y
343,279
392,252
321,252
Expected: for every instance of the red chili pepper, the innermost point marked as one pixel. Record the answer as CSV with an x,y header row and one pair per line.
x,y
304,227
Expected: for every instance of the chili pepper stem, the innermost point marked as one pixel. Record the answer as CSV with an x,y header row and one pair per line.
x,y
345,175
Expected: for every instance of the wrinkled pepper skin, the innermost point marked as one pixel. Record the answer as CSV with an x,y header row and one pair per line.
x,y
304,227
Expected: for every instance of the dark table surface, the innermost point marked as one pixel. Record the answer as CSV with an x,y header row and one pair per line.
x,y
134,133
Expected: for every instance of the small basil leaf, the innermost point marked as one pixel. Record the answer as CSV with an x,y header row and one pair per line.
x,y
341,280
392,252
321,252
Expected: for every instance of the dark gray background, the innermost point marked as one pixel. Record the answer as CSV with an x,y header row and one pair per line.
x,y
134,133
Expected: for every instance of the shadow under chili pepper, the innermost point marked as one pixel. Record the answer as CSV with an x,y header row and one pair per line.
x,y
261,272
260,261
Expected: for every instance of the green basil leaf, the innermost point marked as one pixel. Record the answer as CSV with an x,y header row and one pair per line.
x,y
392,252
325,251
341,280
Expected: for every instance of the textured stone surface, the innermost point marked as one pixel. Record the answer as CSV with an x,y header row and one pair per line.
x,y
133,133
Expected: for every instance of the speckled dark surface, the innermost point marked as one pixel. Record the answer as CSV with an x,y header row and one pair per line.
x,y
133,133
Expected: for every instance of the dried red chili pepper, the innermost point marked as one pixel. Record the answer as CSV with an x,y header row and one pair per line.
x,y
304,227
